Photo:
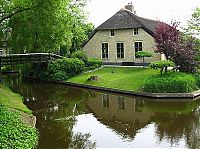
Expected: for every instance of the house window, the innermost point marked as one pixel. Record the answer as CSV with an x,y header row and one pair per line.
x,y
104,50
138,46
112,32
135,31
120,50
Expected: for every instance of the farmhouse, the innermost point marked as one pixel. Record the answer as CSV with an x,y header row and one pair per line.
x,y
118,39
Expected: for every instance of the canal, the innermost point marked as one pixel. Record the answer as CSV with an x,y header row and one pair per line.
x,y
70,117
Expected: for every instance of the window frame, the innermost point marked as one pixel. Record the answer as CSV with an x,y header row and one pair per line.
x,y
135,31
112,33
139,47
104,52
120,48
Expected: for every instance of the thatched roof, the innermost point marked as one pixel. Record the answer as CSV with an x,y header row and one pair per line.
x,y
125,19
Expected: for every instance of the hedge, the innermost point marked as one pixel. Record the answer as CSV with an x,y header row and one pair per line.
x,y
62,69
93,63
80,55
174,82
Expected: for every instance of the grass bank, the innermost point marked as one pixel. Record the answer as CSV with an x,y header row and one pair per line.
x,y
14,132
123,78
12,100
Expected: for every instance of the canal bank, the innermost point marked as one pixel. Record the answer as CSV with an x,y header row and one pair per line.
x,y
17,122
69,116
157,96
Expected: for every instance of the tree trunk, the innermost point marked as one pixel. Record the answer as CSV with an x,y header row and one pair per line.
x,y
143,62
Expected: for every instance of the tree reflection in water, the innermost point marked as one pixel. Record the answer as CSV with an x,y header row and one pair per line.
x,y
81,141
174,127
173,120
57,108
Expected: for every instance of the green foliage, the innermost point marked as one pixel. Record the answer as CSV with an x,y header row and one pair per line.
x,y
13,101
64,68
197,77
80,55
14,133
143,54
44,26
194,23
161,65
174,82
90,63
64,51
41,29
93,63
81,32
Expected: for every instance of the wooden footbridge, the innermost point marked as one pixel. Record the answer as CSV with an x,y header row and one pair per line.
x,y
14,59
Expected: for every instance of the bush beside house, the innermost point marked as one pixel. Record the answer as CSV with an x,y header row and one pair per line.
x,y
64,68
174,82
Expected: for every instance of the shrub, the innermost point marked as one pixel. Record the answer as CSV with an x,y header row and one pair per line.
x,y
14,133
143,54
62,69
197,77
161,65
174,82
80,55
93,63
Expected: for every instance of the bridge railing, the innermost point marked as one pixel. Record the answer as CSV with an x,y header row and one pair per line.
x,y
13,59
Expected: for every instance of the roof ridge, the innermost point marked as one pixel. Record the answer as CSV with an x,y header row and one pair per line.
x,y
142,20
125,19
106,20
132,15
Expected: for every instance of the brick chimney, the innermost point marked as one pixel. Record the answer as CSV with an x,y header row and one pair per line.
x,y
130,7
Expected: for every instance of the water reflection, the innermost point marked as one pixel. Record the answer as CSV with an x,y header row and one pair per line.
x,y
69,117
124,114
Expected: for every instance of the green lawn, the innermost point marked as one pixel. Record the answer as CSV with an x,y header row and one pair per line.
x,y
124,78
12,100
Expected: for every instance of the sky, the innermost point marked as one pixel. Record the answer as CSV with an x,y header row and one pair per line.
x,y
99,11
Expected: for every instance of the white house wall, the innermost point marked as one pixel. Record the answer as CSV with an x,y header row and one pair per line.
x,y
94,45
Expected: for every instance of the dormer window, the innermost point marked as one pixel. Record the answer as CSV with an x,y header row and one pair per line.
x,y
135,31
112,32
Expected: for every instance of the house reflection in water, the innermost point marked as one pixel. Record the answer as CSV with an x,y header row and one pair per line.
x,y
125,115
121,103
105,100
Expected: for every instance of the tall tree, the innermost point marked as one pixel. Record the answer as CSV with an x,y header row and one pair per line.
x,y
42,26
182,51
166,36
194,23
81,31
